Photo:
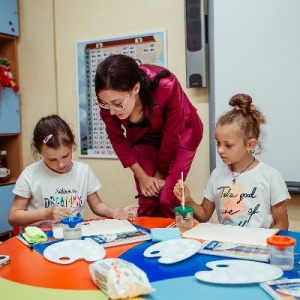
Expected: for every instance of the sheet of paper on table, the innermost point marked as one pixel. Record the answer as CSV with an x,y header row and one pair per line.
x,y
228,233
97,227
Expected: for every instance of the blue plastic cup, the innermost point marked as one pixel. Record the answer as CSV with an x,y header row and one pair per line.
x,y
72,228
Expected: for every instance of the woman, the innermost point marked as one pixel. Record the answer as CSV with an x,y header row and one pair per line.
x,y
163,129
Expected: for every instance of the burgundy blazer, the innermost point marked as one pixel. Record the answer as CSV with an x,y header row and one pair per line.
x,y
173,114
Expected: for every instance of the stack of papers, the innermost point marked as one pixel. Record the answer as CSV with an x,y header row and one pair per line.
x,y
99,227
228,233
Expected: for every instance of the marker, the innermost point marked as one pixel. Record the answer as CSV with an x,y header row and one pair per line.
x,y
138,196
24,242
4,260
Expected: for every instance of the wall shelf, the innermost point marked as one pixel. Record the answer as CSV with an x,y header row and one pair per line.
x,y
10,130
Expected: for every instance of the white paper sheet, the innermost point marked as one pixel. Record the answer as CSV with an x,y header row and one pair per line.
x,y
227,233
107,226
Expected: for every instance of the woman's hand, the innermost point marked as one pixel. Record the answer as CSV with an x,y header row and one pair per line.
x,y
151,186
125,213
160,180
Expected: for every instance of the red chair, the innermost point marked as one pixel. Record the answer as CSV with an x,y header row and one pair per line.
x,y
16,230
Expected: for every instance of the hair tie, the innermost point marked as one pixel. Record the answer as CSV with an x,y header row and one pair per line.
x,y
252,108
47,138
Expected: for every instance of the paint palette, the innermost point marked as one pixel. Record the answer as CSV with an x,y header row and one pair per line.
x,y
173,251
238,272
67,252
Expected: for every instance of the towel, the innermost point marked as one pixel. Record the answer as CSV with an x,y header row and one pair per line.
x,y
164,234
34,235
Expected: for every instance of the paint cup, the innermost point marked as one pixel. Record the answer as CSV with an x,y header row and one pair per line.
x,y
72,228
184,217
282,251
4,172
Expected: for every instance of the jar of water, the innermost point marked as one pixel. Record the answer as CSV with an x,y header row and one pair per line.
x,y
72,228
4,171
282,251
184,217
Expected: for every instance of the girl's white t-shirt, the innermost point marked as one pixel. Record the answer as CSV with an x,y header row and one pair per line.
x,y
248,202
40,184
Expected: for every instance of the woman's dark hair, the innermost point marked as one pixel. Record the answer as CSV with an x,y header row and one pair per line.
x,y
121,73
53,132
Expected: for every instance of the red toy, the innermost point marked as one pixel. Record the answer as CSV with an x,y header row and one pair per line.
x,y
6,77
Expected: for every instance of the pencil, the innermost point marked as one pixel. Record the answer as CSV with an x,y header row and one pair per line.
x,y
173,224
138,196
24,242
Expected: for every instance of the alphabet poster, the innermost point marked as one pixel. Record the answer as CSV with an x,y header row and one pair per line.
x,y
147,48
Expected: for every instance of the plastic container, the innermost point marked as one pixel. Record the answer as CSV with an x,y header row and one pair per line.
x,y
184,217
72,228
4,171
282,251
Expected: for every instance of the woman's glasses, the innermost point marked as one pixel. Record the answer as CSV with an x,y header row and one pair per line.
x,y
117,107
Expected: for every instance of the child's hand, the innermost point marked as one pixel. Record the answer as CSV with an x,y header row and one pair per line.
x,y
178,191
125,213
57,213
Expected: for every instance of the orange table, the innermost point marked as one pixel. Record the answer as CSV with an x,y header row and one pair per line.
x,y
31,268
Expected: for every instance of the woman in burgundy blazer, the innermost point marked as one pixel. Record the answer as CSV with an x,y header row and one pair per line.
x,y
152,126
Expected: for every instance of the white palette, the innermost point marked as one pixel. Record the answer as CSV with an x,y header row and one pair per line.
x,y
238,272
67,252
173,251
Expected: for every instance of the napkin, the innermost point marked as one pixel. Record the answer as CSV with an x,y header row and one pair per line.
x,y
34,235
164,234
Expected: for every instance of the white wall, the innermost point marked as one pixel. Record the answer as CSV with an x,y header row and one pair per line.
x,y
261,58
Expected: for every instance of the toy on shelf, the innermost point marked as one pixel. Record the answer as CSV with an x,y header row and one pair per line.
x,y
6,77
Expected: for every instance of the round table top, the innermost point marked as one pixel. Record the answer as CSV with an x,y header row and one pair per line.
x,y
31,268
31,276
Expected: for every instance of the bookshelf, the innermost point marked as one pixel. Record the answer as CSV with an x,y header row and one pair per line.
x,y
10,128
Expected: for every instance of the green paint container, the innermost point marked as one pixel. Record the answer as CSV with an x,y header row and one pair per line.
x,y
184,217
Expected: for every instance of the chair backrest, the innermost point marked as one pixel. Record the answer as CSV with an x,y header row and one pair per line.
x,y
16,230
